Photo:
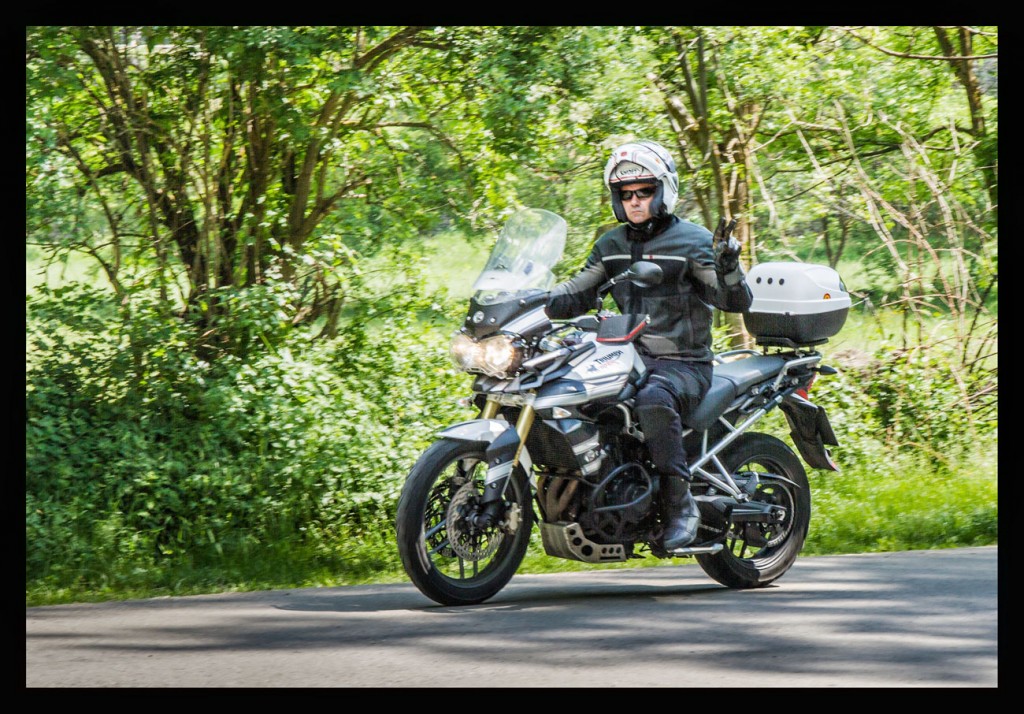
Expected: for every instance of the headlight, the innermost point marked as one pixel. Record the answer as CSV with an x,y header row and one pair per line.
x,y
497,356
463,351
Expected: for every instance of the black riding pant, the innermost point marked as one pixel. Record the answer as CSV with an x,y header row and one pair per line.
x,y
673,389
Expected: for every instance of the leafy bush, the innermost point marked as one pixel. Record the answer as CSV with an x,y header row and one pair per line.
x,y
907,401
918,468
143,460
150,470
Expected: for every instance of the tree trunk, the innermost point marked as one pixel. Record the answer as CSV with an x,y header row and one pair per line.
x,y
985,151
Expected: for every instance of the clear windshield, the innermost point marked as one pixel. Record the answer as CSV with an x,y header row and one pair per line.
x,y
523,258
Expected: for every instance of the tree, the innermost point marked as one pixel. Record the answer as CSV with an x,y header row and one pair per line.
x,y
222,156
957,50
715,112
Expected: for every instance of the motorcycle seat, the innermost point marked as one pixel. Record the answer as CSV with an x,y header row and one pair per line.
x,y
729,381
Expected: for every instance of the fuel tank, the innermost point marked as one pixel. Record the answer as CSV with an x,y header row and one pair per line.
x,y
600,374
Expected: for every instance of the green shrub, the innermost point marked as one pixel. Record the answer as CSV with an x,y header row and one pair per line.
x,y
144,461
907,402
150,470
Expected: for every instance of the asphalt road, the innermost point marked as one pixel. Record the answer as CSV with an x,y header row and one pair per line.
x,y
909,619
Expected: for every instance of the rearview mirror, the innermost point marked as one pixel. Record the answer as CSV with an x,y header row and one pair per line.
x,y
644,274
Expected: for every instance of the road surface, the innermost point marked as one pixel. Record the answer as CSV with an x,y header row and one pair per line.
x,y
908,619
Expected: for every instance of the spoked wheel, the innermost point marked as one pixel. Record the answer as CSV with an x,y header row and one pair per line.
x,y
446,556
756,554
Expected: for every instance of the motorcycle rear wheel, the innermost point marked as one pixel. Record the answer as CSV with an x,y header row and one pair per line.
x,y
741,564
449,562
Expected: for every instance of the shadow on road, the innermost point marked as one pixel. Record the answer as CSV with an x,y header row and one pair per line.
x,y
829,616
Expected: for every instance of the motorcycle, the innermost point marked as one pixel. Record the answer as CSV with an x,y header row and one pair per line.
x,y
557,445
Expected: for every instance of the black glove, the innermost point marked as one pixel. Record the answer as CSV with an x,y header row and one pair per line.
x,y
727,248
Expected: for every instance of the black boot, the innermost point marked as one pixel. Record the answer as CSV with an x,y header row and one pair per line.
x,y
679,513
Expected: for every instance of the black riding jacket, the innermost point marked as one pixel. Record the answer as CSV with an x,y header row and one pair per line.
x,y
680,307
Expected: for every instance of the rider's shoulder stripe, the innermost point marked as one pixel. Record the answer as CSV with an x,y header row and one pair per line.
x,y
648,256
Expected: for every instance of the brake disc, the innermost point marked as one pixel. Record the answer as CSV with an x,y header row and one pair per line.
x,y
468,541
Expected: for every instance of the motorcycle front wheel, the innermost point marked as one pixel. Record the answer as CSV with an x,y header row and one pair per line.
x,y
449,560
755,555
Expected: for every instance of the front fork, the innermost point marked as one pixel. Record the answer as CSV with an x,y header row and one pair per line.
x,y
502,456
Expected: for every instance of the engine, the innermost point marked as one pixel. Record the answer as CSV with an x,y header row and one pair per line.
x,y
615,508
591,474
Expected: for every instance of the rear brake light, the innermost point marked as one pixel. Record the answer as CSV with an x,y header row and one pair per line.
x,y
803,390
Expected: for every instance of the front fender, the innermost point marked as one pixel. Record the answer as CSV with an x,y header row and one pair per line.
x,y
487,430
477,430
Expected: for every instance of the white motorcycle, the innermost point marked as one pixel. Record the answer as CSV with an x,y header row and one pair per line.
x,y
557,444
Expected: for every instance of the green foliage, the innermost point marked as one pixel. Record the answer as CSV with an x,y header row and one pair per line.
x,y
915,402
902,503
163,474
146,463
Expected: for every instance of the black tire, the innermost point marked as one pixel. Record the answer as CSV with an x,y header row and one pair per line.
x,y
741,565
487,561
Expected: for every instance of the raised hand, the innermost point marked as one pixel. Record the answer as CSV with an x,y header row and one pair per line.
x,y
727,248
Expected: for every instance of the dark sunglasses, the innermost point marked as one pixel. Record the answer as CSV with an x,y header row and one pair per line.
x,y
640,193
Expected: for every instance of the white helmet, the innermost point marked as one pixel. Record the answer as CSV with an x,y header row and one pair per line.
x,y
643,162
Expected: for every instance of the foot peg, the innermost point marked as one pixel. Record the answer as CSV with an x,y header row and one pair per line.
x,y
694,550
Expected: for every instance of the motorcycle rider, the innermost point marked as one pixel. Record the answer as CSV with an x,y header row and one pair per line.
x,y
700,271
